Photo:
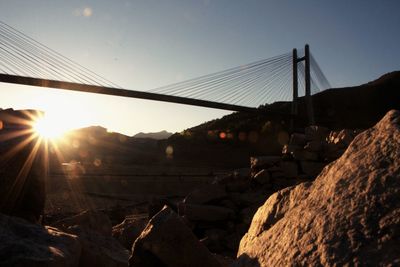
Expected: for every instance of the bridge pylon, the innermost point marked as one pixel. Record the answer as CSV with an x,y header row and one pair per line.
x,y
307,82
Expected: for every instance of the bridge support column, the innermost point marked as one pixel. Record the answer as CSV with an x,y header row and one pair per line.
x,y
295,91
310,109
307,82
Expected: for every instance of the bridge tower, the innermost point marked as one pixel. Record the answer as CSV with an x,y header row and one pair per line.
x,y
308,99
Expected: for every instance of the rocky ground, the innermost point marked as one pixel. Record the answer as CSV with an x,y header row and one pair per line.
x,y
271,214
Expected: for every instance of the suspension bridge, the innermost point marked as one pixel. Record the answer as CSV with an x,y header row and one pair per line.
x,y
25,61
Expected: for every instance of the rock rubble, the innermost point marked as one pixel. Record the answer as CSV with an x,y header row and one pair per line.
x,y
348,216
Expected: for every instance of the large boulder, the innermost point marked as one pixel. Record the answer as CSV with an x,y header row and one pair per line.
x,y
26,244
350,215
167,241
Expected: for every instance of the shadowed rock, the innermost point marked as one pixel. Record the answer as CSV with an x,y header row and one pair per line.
x,y
167,241
26,244
348,216
99,248
96,221
22,166
206,194
130,229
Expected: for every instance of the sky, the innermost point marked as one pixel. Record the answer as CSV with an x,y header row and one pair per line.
x,y
141,45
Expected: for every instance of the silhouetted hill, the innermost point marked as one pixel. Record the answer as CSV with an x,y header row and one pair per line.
x,y
360,106
239,135
348,107
232,139
157,135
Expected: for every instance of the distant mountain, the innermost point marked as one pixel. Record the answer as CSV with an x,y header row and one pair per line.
x,y
157,136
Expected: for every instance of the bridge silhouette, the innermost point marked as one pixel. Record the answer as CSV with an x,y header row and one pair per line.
x,y
26,61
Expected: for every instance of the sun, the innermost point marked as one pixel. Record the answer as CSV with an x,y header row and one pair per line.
x,y
48,128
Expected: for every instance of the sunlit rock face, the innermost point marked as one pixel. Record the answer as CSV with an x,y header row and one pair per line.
x,y
350,215
22,163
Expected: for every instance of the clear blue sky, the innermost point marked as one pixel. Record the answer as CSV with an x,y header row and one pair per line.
x,y
146,44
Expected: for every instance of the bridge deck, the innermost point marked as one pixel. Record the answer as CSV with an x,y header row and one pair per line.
x,y
6,78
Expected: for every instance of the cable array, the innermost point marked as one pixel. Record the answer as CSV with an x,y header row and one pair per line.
x,y
23,56
318,80
251,85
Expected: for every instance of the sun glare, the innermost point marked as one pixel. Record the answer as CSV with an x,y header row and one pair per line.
x,y
48,128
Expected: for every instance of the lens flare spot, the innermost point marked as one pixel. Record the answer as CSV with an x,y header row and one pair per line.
x,y
169,152
87,12
97,162
222,135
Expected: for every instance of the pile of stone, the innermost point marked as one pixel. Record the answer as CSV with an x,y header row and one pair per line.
x,y
319,144
350,215
219,214
303,158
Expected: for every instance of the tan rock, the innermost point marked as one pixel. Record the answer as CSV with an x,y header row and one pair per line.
x,y
167,241
348,216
